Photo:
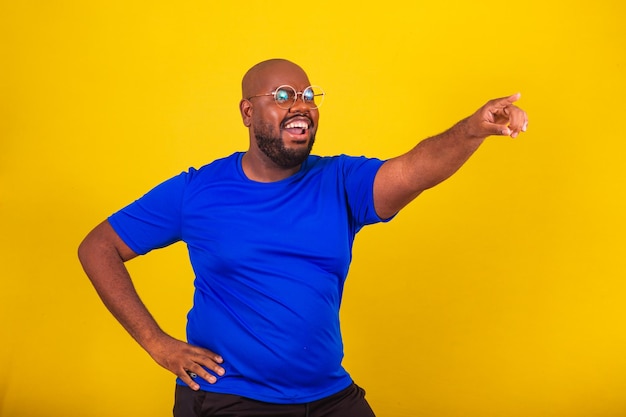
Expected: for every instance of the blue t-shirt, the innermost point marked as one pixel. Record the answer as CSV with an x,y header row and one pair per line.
x,y
270,261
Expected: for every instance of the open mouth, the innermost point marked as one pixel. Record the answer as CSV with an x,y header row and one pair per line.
x,y
297,126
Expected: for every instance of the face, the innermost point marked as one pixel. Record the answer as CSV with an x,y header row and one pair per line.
x,y
285,137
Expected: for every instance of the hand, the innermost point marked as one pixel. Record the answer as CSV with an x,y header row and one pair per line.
x,y
182,359
498,117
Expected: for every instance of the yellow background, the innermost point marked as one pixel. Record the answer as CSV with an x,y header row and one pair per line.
x,y
499,293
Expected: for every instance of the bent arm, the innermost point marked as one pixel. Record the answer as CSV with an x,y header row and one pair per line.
x,y
102,255
401,179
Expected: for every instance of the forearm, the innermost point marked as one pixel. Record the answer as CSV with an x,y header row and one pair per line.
x,y
433,160
104,265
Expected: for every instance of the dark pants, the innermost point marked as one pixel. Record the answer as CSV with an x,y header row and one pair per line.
x,y
347,403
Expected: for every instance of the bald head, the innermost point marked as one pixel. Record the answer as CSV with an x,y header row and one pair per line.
x,y
281,138
267,75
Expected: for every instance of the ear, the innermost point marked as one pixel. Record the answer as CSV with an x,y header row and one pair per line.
x,y
245,107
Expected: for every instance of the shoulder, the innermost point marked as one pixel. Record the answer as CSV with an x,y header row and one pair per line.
x,y
343,162
221,167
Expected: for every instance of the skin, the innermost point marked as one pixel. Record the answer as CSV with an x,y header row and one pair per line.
x,y
262,115
398,181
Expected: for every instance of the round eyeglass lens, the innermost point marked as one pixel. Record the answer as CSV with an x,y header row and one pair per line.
x,y
313,96
284,96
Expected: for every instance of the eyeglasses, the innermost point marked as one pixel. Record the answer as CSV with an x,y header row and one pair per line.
x,y
286,96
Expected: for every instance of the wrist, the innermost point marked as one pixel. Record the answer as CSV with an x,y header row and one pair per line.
x,y
466,131
153,341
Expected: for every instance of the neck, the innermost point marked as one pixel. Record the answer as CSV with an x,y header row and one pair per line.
x,y
263,170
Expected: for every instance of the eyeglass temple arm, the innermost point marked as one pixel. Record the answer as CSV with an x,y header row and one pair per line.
x,y
261,95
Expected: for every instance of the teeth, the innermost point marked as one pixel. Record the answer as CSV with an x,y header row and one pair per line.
x,y
297,125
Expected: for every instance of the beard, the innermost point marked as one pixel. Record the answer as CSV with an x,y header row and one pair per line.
x,y
271,144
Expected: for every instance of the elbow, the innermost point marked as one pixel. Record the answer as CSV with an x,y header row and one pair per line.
x,y
82,250
103,242
86,250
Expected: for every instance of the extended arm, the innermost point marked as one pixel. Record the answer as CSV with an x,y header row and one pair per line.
x,y
433,160
102,255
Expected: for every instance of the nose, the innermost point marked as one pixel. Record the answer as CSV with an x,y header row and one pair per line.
x,y
299,105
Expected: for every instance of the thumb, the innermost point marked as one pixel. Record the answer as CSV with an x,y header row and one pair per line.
x,y
495,129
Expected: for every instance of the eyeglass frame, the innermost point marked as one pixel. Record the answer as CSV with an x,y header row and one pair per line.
x,y
296,94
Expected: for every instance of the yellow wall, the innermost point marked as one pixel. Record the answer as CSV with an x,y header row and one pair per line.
x,y
500,293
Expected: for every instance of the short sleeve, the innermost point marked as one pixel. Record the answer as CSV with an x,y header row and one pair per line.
x,y
359,174
154,220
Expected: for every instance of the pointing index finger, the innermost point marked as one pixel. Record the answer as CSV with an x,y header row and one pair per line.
x,y
506,101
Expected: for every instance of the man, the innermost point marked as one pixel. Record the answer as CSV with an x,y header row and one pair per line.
x,y
270,234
